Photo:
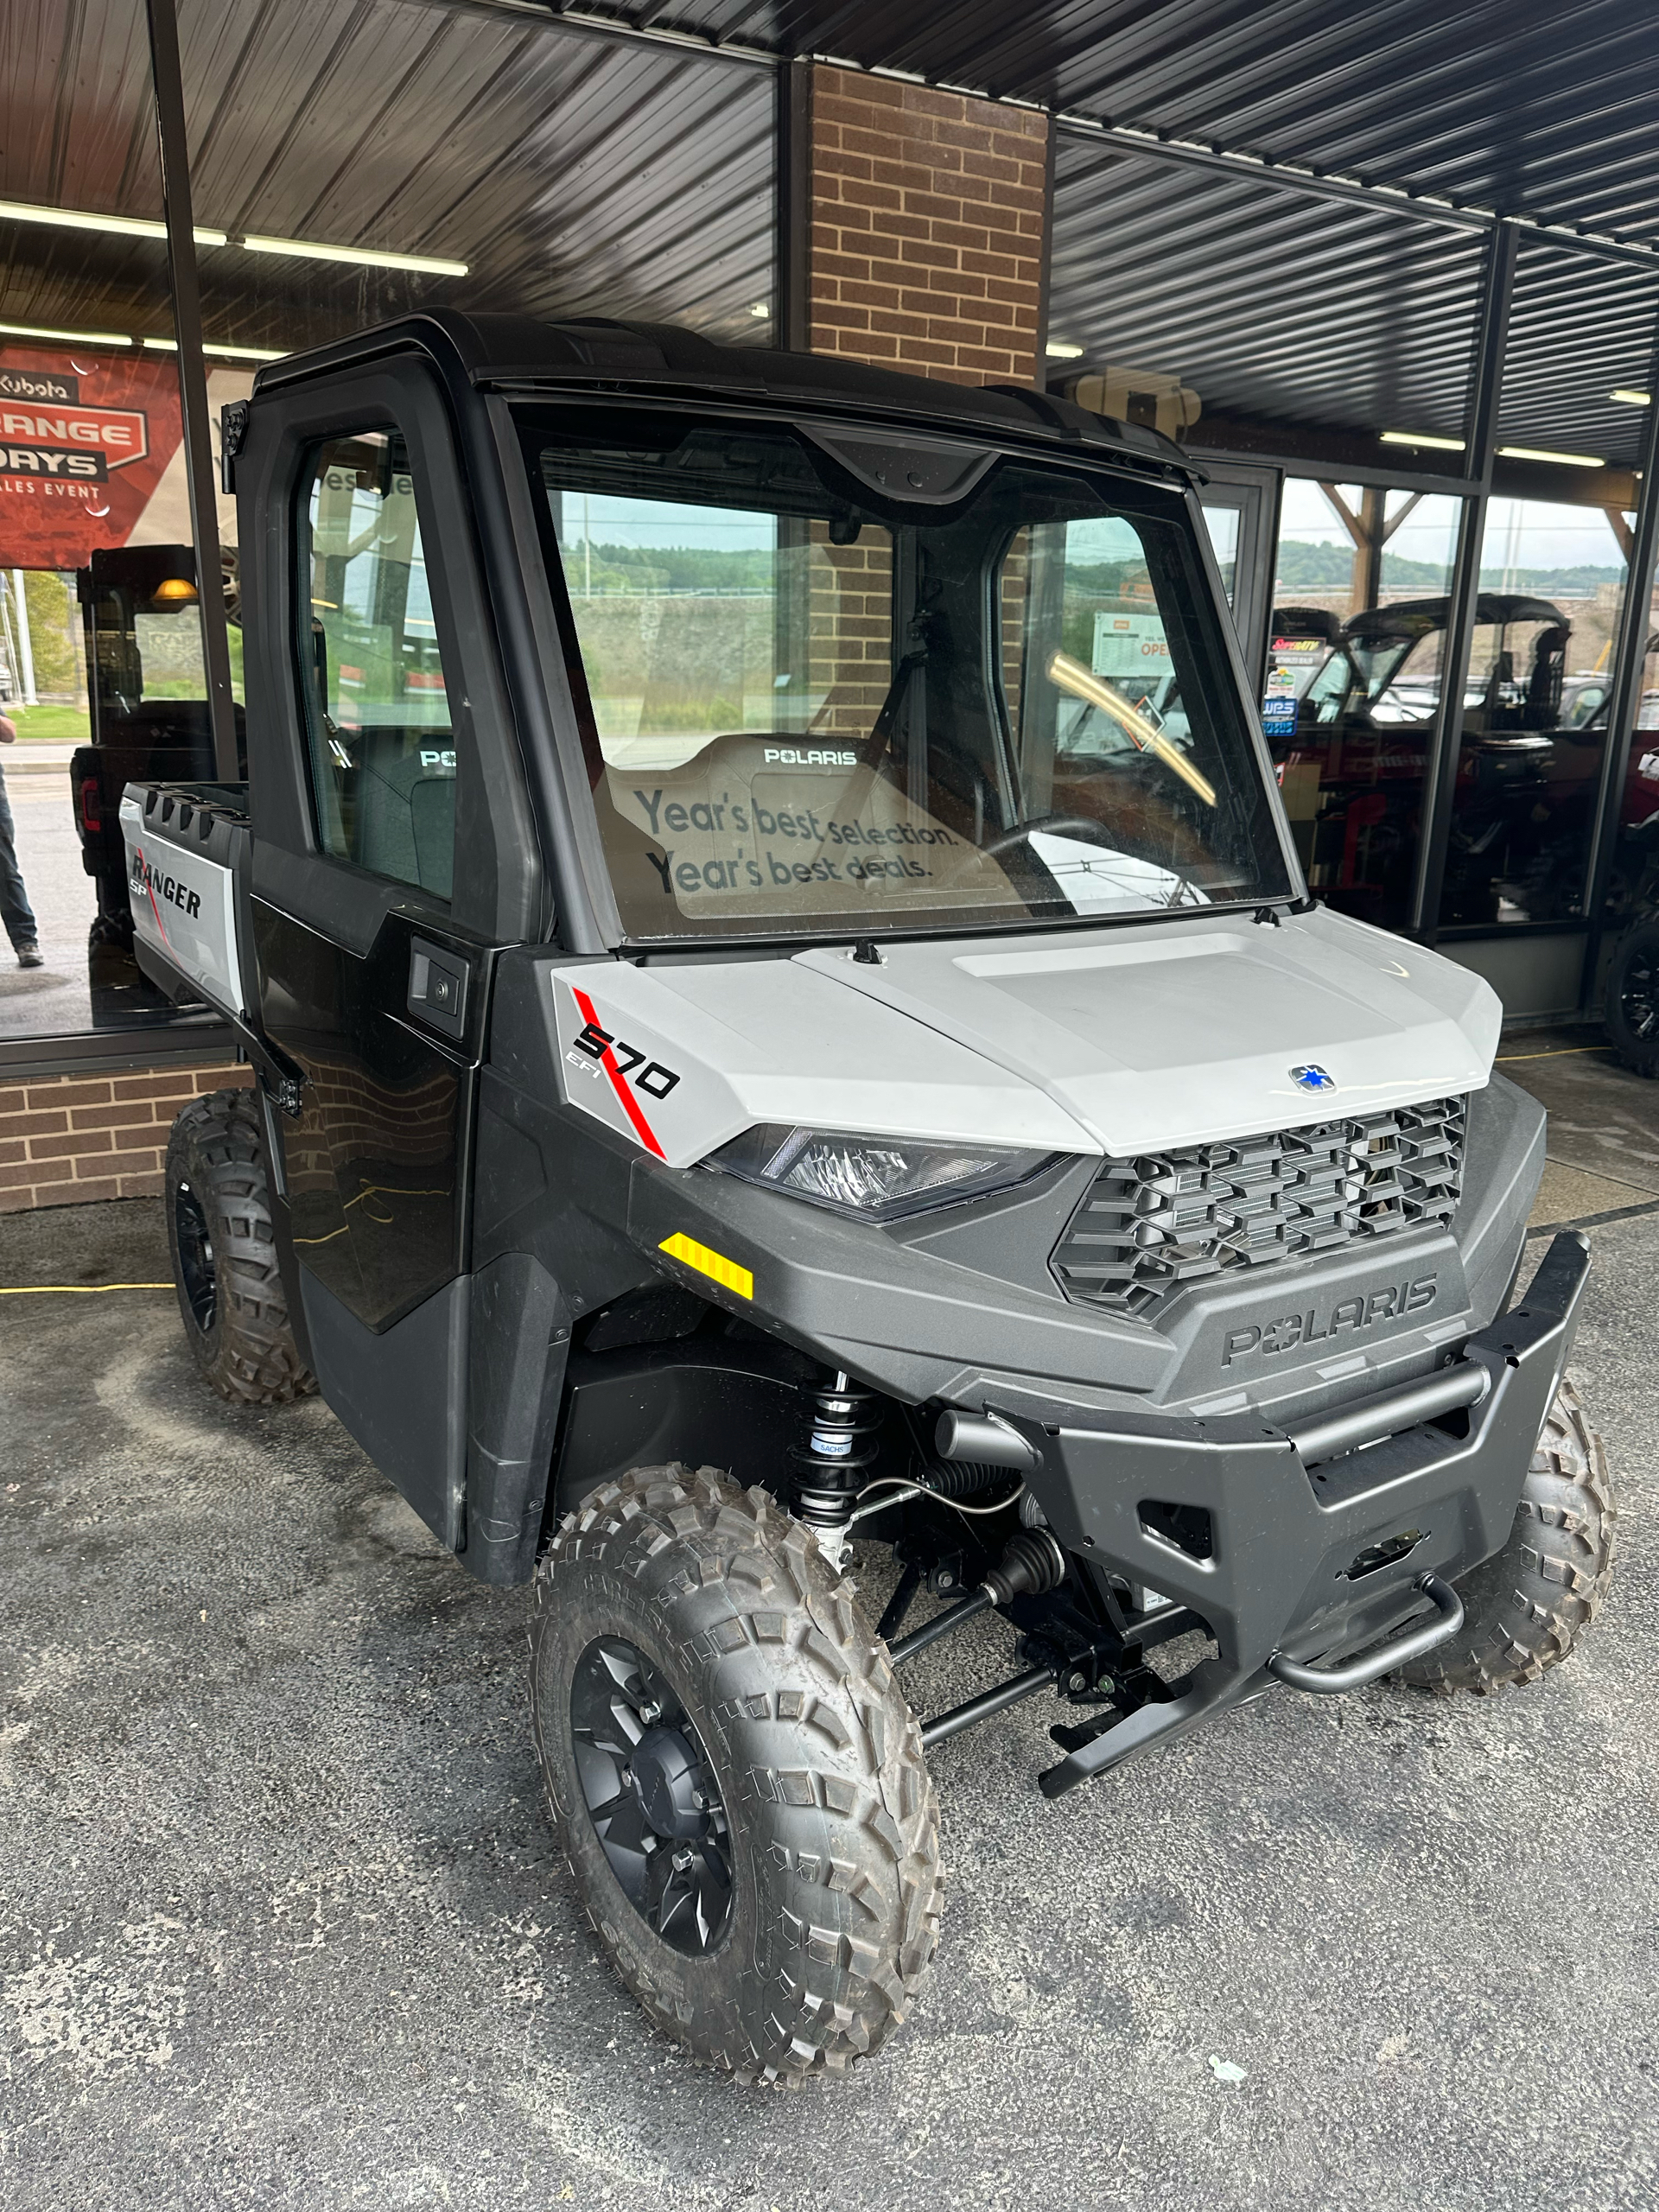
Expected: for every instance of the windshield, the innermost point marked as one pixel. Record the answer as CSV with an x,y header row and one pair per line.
x,y
809,708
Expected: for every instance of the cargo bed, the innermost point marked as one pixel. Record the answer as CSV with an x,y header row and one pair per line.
x,y
188,847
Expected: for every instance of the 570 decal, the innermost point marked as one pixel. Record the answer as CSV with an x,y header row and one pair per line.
x,y
653,1079
629,1069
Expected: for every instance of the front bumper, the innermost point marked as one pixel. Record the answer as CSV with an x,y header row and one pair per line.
x,y
1306,1561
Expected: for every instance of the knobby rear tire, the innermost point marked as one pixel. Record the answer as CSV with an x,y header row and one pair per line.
x,y
216,1181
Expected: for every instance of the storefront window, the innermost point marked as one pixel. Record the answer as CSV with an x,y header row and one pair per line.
x,y
1222,524
1352,704
101,667
1633,879
1534,716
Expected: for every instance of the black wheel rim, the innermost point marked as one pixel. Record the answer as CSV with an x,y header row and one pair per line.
x,y
196,1270
1639,998
652,1796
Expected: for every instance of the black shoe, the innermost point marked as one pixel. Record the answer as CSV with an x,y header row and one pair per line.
x,y
29,954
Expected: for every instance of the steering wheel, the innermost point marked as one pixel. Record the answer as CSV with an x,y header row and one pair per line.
x,y
1057,825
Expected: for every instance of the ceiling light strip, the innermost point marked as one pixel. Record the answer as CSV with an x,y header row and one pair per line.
x,y
141,226
78,218
226,352
1563,460
1422,438
65,337
363,256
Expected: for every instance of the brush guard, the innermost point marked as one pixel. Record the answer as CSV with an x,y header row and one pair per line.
x,y
1327,1539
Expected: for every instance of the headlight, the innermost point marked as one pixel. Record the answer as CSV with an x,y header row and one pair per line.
x,y
877,1177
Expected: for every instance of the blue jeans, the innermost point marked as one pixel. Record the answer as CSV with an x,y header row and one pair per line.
x,y
15,909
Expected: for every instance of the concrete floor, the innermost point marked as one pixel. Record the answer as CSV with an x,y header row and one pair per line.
x,y
281,1923
1603,1122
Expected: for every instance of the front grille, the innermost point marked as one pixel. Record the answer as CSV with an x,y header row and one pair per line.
x,y
1150,1226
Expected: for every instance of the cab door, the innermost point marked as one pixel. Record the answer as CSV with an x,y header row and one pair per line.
x,y
393,855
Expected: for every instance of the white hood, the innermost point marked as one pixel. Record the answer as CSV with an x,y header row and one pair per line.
x,y
1185,1031
1118,1040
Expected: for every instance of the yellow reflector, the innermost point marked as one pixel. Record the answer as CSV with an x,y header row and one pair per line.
x,y
725,1273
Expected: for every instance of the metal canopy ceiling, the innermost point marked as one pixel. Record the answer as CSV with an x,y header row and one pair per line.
x,y
77,128
1317,314
1580,330
1277,307
573,175
1547,112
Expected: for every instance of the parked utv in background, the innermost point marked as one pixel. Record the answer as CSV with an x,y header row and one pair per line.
x,y
790,1033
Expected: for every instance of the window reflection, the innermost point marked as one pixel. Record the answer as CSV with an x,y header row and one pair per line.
x,y
1222,519
1633,881
1352,703
1534,713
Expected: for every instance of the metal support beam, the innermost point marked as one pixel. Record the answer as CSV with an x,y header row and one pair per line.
x,y
1440,782
1634,624
193,382
793,311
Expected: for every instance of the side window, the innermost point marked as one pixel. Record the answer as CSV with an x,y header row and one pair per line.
x,y
382,748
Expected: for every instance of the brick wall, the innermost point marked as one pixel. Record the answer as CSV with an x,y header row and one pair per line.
x,y
927,228
70,1137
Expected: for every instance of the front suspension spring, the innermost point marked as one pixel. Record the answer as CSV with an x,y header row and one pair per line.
x,y
829,1468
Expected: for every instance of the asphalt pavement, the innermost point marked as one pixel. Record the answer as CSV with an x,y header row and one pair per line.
x,y
282,1922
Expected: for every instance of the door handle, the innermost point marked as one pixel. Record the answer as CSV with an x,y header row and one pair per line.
x,y
437,986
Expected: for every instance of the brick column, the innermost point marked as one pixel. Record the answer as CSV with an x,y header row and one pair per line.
x,y
926,232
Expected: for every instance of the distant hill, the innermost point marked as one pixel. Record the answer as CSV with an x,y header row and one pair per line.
x,y
671,567
1326,567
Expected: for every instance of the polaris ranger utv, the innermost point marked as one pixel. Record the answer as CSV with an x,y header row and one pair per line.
x,y
778,1028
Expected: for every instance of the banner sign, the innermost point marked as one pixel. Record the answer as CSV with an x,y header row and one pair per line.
x,y
85,438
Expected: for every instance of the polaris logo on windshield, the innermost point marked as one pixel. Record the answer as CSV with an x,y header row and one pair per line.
x,y
792,756
1364,1311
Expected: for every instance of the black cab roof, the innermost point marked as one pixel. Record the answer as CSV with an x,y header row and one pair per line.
x,y
1415,618
489,351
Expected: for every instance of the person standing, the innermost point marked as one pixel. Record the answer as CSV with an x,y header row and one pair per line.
x,y
15,909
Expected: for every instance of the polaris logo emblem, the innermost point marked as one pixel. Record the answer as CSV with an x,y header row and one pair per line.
x,y
1364,1311
1312,1076
792,756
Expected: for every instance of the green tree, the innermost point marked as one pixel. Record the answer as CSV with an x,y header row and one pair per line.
x,y
52,620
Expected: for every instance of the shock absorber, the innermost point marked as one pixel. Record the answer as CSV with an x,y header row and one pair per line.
x,y
829,1467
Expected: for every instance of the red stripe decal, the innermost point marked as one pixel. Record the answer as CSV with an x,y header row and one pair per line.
x,y
629,1103
154,908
